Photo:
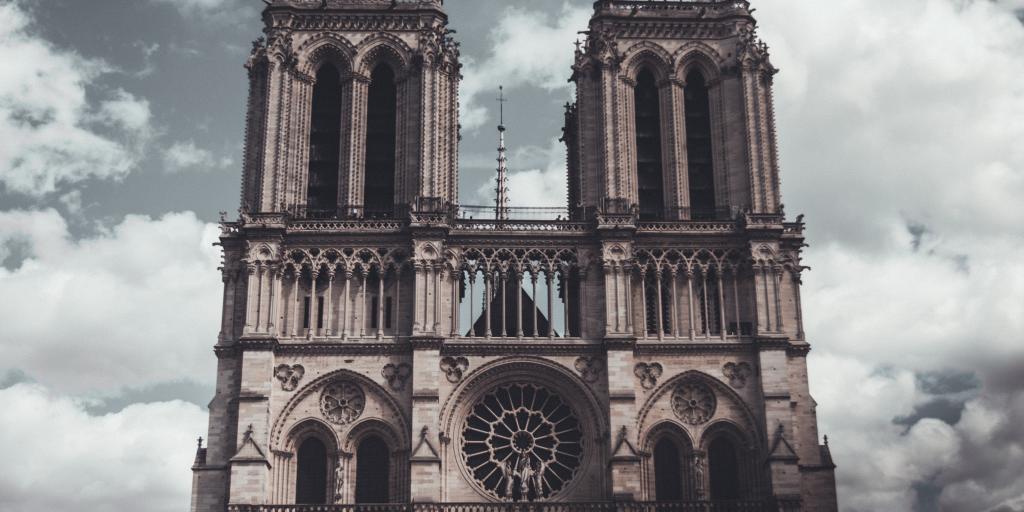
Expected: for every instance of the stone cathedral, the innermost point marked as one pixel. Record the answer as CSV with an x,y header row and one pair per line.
x,y
641,348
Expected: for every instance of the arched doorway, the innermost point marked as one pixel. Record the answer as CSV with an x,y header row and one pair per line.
x,y
311,476
373,471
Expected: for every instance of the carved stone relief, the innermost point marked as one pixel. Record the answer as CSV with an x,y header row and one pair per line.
x,y
737,373
693,402
454,368
396,375
589,368
648,374
342,402
289,375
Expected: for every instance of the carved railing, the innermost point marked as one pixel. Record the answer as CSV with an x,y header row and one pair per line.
x,y
675,506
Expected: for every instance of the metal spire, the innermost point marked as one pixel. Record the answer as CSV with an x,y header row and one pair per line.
x,y
501,188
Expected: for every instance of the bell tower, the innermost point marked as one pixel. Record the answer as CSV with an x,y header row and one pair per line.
x,y
352,110
674,112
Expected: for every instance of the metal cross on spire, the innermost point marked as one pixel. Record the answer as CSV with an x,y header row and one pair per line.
x,y
501,185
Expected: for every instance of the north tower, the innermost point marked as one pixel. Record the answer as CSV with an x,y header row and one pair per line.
x,y
380,344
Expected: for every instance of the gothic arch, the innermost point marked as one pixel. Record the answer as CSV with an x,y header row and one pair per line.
x,y
649,55
700,56
544,374
746,421
385,48
385,400
397,456
326,48
748,474
677,434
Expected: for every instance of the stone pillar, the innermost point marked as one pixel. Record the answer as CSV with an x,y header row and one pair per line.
x,y
249,466
622,410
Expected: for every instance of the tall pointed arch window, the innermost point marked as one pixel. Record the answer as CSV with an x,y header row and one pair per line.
x,y
723,466
668,470
372,469
324,140
379,182
648,147
698,144
311,476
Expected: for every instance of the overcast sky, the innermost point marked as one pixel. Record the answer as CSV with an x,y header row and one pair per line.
x,y
901,126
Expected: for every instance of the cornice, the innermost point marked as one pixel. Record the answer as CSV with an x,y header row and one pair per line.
x,y
511,347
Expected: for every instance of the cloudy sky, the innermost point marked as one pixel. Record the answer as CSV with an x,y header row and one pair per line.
x,y
901,126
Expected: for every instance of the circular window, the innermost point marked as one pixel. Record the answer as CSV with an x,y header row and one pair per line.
x,y
522,443
342,402
693,402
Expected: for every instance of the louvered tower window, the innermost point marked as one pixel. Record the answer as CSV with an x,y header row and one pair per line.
x,y
379,194
648,147
698,144
324,138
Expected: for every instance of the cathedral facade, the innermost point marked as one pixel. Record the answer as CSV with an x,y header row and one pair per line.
x,y
642,347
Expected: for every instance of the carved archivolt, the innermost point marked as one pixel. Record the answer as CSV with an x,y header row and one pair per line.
x,y
686,260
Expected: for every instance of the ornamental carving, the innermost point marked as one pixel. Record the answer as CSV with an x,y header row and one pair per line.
x,y
396,375
289,376
342,402
648,374
693,402
589,368
454,368
737,373
522,442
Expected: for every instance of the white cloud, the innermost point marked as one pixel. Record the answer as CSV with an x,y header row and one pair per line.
x,y
88,315
542,185
219,11
185,156
51,132
135,459
900,126
527,48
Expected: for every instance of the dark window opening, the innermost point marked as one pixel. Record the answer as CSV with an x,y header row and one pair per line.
x,y
311,477
651,295
724,470
319,313
372,461
305,312
374,305
648,147
668,473
698,147
324,140
710,313
379,194
387,313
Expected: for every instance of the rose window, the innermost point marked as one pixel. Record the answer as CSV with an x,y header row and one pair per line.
x,y
693,402
342,402
522,443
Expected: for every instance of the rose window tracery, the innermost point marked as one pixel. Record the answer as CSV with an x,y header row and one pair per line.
x,y
522,442
693,402
342,402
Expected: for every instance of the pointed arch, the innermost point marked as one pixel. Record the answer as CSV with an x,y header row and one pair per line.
x,y
648,131
669,466
325,127
732,459
650,55
379,48
381,142
315,447
699,145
